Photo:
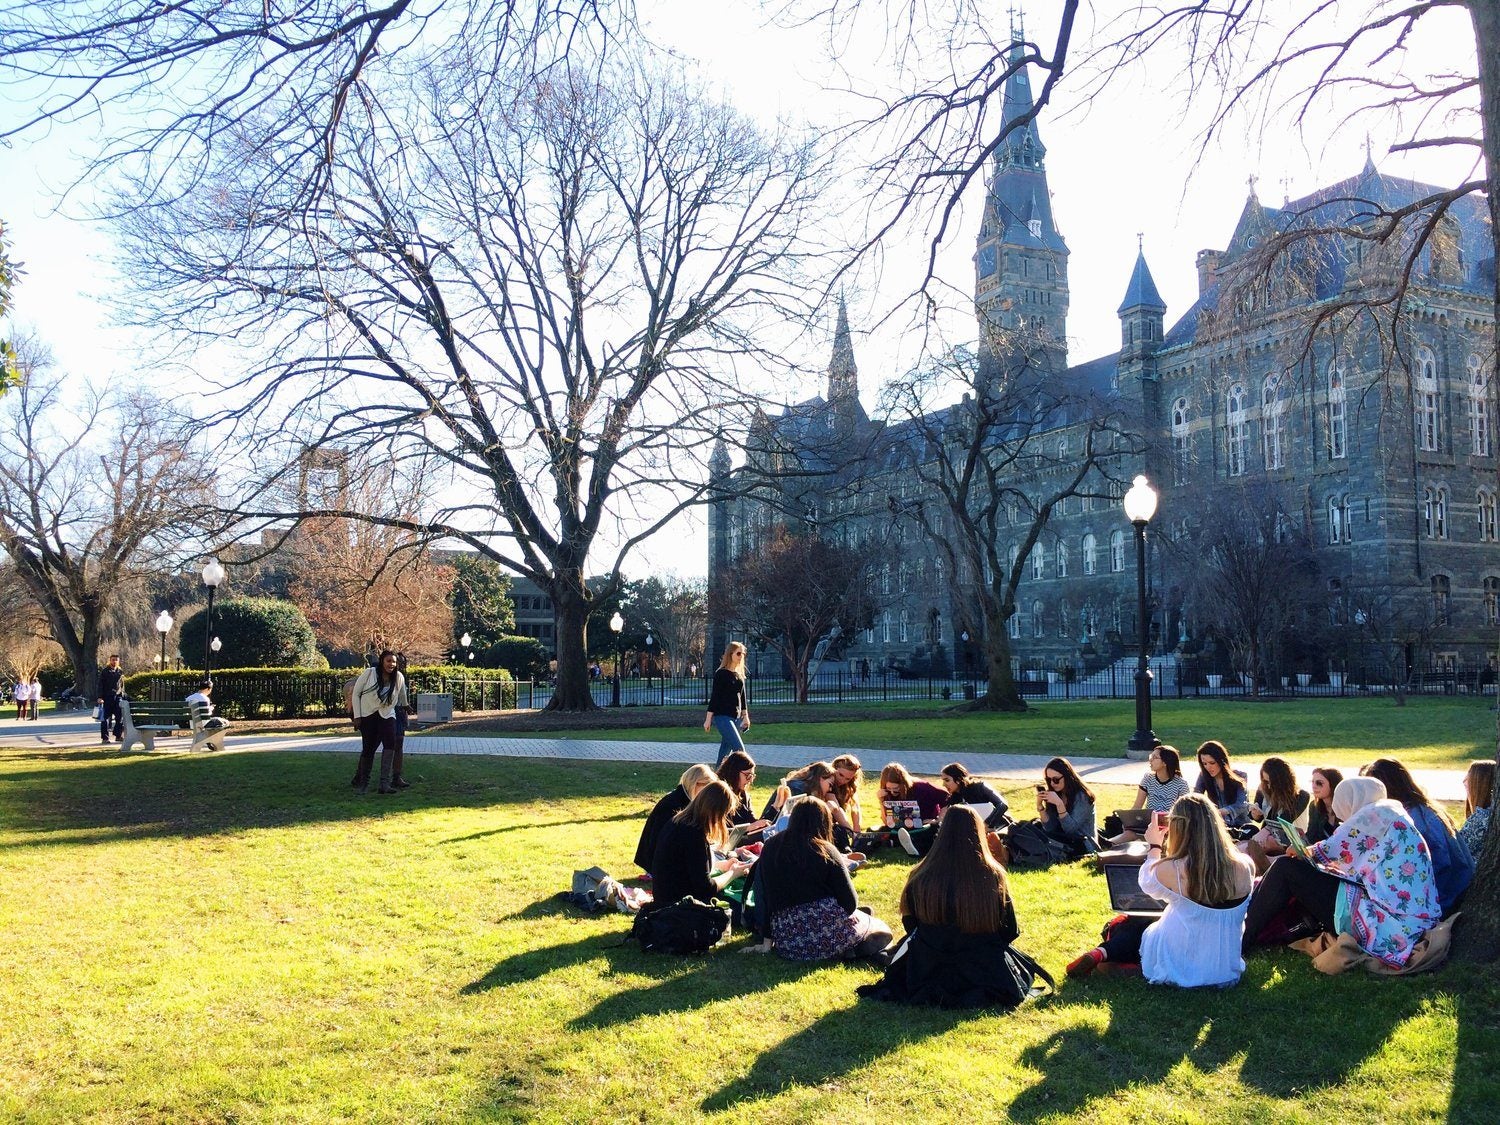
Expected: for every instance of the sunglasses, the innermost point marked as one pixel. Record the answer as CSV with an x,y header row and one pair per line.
x,y
1053,780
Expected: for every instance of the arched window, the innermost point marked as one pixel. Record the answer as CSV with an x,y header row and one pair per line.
x,y
1181,441
1064,619
1036,618
1487,530
1338,433
1273,423
1010,559
1236,431
905,581
905,626
1442,592
1013,626
1038,568
921,573
885,627
1339,530
1479,408
1062,560
1435,512
1425,393
1117,551
1492,601
937,572
885,580
1090,553
1062,450
870,635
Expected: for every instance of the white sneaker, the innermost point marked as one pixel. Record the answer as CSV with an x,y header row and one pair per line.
x,y
905,837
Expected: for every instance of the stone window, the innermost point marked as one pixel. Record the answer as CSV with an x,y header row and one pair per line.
x,y
1181,441
1435,512
905,626
1036,619
1117,551
885,580
937,572
1038,567
1487,530
1339,521
1442,592
905,581
1062,560
1492,601
1425,393
1013,626
1064,619
1273,423
1480,438
1237,432
1338,433
1090,554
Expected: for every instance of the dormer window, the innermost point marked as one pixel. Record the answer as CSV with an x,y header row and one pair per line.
x,y
1035,227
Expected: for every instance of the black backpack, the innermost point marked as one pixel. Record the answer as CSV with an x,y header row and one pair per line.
x,y
1030,846
684,926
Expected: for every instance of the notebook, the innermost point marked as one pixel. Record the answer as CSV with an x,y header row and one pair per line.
x,y
902,814
1125,894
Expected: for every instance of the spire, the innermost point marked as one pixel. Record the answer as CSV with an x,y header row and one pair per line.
x,y
843,374
1023,144
718,461
1369,168
1142,293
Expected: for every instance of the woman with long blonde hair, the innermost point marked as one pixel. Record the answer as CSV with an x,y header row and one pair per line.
x,y
846,774
1194,869
728,703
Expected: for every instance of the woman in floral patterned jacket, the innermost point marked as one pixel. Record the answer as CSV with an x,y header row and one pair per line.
x,y
1371,879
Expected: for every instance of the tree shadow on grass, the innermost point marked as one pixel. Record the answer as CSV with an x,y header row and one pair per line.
x,y
94,797
1476,1079
827,1050
522,826
1153,1028
688,983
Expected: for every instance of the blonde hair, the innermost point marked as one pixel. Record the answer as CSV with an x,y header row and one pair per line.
x,y
847,795
1197,836
733,659
695,776
1479,786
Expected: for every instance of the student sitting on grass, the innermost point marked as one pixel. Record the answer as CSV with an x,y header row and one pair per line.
x,y
815,780
1222,784
1278,798
966,789
1479,789
1320,818
803,887
959,918
1452,865
1205,883
1163,782
1065,807
694,778
737,771
846,774
896,784
684,862
1371,879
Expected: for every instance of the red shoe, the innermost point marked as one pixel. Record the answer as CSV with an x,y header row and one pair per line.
x,y
1086,964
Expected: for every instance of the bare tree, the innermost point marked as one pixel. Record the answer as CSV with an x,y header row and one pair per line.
x,y
91,501
799,594
988,473
547,296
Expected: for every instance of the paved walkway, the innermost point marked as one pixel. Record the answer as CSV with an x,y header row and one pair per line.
x,y
75,730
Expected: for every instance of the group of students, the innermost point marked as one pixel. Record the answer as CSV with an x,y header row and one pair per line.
x,y
28,694
381,708
1374,859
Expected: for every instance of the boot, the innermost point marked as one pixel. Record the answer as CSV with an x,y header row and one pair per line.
x,y
387,761
397,780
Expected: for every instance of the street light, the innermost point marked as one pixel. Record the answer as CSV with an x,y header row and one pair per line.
x,y
650,640
1140,506
212,575
617,623
215,645
163,626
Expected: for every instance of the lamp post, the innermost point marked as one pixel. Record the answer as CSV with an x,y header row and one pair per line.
x,y
1140,506
465,641
650,640
212,575
163,626
617,623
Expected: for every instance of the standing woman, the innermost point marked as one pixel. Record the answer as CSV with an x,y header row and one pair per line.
x,y
1320,818
728,706
1220,783
373,702
403,719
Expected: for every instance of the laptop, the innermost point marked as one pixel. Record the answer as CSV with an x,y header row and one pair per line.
x,y
1125,894
1134,820
902,814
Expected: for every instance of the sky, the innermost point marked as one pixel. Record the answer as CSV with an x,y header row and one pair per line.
x,y
1126,167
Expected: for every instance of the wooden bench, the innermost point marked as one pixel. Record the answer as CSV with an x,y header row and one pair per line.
x,y
143,720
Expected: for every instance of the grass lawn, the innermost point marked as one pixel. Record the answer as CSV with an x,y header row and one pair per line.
x,y
1430,731
239,938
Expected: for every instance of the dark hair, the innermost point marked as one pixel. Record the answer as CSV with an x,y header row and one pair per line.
x,y
810,827
1228,783
956,771
205,685
1278,786
733,769
958,883
1333,777
1072,783
1171,758
385,689
1401,786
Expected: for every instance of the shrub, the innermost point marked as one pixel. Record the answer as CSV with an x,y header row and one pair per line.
x,y
257,633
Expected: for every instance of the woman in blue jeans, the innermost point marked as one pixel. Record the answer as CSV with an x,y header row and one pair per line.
x,y
728,707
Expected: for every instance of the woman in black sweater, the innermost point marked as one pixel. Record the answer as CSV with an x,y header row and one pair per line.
x,y
966,789
728,706
737,771
684,861
693,779
804,888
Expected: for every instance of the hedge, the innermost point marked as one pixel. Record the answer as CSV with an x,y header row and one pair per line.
x,y
304,693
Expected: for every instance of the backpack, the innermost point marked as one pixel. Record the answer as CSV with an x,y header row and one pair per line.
x,y
684,926
1030,846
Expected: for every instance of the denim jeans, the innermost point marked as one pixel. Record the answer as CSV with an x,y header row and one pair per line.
x,y
729,735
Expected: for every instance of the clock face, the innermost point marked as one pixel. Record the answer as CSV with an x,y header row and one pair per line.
x,y
986,261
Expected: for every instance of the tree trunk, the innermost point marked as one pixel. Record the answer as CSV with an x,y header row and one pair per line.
x,y
1002,694
572,691
1478,935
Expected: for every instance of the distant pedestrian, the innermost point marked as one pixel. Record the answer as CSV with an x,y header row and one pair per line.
x,y
36,695
728,705
23,697
111,688
373,701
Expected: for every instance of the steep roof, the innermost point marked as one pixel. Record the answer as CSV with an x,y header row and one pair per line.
x,y
1142,292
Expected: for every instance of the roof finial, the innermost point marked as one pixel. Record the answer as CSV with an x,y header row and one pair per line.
x,y
1140,242
1017,23
1251,181
1369,156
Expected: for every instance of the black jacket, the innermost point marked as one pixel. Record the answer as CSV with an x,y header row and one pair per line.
x,y
680,865
790,875
668,807
728,694
980,793
111,682
942,967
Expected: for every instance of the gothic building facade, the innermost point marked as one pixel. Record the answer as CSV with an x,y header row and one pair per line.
x,y
1320,360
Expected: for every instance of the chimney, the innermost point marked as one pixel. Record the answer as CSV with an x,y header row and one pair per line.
x,y
1208,269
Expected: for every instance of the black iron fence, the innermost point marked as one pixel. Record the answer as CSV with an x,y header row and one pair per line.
x,y
311,694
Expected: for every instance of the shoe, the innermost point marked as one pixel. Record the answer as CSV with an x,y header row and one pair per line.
x,y
104,742
1083,966
386,790
905,837
401,783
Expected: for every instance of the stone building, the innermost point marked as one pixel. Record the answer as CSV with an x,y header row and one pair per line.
x,y
1291,368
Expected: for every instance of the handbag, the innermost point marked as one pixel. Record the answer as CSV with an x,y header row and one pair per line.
x,y
98,712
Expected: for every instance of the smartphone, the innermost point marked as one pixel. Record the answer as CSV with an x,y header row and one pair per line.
x,y
1041,789
1161,820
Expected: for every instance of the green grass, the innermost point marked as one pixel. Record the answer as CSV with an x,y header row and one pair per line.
x,y
1430,731
239,938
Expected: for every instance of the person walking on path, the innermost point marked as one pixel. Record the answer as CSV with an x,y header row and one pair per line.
x,y
36,694
373,703
728,706
23,697
111,688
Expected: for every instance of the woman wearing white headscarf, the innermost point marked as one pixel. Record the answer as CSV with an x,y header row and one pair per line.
x,y
1371,879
